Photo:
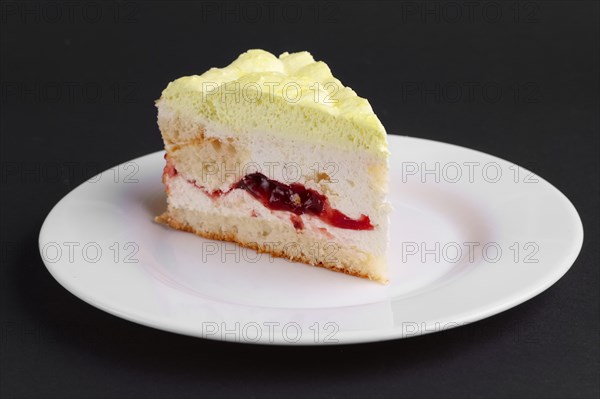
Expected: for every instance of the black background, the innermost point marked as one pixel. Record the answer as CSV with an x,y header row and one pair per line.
x,y
78,85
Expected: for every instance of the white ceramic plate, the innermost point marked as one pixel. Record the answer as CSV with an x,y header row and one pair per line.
x,y
471,235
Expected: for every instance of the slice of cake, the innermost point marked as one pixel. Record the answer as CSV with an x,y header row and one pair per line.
x,y
277,155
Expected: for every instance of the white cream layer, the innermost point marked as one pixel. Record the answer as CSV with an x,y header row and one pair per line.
x,y
183,194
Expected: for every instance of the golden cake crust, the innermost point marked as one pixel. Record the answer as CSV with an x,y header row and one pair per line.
x,y
166,219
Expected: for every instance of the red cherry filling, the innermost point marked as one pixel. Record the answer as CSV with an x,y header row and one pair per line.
x,y
293,198
298,199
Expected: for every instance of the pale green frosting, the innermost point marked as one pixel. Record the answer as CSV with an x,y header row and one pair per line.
x,y
292,96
